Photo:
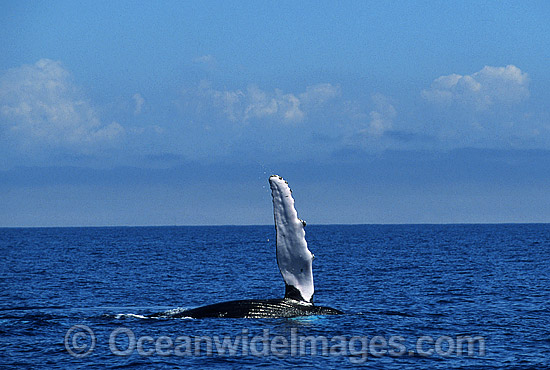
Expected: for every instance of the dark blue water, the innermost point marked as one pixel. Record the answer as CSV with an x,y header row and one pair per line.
x,y
404,282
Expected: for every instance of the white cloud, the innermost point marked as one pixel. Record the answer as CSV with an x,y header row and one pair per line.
x,y
381,118
318,94
139,101
39,104
254,103
483,89
259,104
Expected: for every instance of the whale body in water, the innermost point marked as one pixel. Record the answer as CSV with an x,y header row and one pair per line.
x,y
295,263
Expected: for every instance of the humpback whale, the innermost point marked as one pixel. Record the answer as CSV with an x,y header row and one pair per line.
x,y
295,263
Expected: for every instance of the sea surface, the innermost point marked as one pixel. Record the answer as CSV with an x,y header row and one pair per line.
x,y
79,297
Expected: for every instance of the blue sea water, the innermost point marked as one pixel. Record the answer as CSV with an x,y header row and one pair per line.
x,y
436,282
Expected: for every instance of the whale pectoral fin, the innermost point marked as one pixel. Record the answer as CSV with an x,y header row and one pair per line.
x,y
293,257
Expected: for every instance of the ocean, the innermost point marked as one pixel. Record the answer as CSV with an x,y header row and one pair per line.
x,y
414,297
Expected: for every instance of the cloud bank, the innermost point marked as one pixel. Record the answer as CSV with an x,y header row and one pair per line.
x,y
39,104
483,89
256,104
42,111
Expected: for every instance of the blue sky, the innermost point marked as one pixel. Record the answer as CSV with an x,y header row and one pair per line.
x,y
116,113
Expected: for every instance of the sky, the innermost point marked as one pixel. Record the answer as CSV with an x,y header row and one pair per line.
x,y
177,112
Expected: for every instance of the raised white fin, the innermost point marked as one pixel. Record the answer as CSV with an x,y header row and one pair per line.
x,y
293,257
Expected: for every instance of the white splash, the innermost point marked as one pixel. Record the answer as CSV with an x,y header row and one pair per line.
x,y
129,315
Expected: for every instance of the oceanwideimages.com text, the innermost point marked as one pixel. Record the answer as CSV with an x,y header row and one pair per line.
x,y
81,341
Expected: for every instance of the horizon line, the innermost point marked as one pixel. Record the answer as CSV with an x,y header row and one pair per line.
x,y
270,225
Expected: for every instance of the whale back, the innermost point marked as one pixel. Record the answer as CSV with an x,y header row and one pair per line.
x,y
253,308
